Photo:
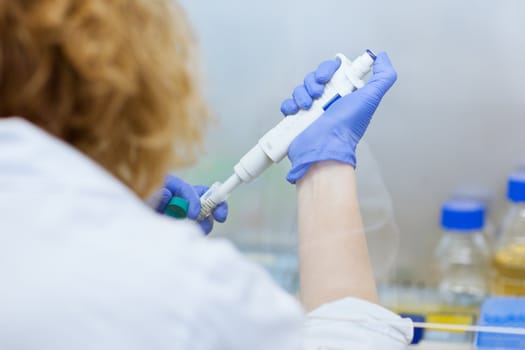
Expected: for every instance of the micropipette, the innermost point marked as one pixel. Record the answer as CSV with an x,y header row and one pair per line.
x,y
273,146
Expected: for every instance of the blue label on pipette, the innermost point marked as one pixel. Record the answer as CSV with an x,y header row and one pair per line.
x,y
331,102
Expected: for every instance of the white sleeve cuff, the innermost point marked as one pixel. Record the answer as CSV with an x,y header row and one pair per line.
x,y
352,323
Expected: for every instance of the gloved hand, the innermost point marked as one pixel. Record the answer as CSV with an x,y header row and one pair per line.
x,y
335,135
174,186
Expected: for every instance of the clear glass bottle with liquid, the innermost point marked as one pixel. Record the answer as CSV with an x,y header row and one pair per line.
x,y
462,255
509,258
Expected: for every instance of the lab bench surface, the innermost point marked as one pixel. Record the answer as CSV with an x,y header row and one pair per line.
x,y
427,345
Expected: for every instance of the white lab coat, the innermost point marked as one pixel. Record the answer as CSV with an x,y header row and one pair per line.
x,y
85,264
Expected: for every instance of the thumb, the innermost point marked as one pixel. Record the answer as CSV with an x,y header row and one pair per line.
x,y
358,107
383,77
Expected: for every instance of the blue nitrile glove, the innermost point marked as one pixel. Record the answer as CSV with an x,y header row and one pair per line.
x,y
335,135
174,186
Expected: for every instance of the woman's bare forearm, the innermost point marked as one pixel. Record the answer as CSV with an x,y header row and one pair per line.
x,y
333,253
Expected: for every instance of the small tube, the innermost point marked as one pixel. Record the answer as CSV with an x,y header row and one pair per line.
x,y
444,327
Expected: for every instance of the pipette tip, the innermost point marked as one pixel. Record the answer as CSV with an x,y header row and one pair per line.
x,y
371,54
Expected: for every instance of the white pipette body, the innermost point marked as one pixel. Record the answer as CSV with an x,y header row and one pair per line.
x,y
273,146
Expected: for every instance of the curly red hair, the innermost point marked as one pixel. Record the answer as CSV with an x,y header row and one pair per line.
x,y
111,78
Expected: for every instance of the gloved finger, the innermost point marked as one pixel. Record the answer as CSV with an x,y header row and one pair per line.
x,y
302,97
182,189
201,189
206,225
221,212
155,200
289,107
164,198
384,76
326,70
312,86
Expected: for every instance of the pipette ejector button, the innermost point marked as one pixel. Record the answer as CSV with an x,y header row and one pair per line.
x,y
371,54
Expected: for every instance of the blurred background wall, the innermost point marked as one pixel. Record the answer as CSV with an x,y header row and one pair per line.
x,y
453,123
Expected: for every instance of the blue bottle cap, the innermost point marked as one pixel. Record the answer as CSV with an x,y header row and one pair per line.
x,y
418,332
516,187
462,215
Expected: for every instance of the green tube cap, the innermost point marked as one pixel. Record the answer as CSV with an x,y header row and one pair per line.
x,y
177,208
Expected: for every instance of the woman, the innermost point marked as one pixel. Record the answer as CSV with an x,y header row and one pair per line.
x,y
98,101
